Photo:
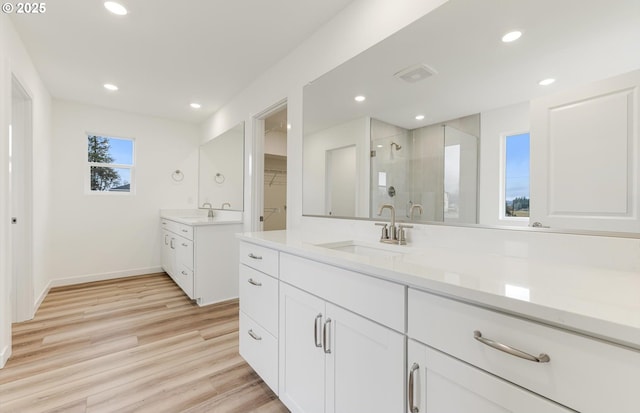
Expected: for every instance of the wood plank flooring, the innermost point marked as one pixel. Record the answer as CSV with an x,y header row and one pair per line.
x,y
130,345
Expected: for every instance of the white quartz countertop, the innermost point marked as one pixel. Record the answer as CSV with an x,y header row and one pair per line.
x,y
598,302
199,220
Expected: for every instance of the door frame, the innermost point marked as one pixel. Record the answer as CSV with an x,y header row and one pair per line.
x,y
256,165
22,294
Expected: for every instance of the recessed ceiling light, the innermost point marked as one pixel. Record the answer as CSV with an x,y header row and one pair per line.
x,y
195,105
115,8
109,86
379,146
511,36
419,117
546,82
360,98
288,126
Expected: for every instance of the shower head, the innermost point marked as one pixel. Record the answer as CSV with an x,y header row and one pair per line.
x,y
398,147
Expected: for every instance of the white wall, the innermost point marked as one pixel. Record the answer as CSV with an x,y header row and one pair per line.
x,y
15,60
357,27
97,236
351,133
496,124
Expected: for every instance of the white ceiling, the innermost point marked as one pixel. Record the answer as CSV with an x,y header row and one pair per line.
x,y
165,54
573,41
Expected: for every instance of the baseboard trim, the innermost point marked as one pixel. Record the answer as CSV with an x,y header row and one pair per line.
x,y
61,282
41,297
4,356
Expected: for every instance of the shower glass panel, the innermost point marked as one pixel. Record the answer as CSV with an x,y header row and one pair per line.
x,y
435,166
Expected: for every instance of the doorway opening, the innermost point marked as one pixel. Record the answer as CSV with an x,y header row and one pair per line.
x,y
271,161
20,190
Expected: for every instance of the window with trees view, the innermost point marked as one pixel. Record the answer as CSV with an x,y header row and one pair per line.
x,y
516,176
110,164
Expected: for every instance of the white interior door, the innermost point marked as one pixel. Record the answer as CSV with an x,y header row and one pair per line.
x,y
585,151
20,195
341,181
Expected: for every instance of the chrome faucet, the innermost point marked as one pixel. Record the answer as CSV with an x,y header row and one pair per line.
x,y
210,213
390,233
227,204
412,208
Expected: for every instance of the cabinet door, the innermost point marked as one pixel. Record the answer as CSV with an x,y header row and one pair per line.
x,y
168,252
438,383
364,364
302,357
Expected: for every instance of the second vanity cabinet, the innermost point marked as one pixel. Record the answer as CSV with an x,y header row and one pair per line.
x,y
201,259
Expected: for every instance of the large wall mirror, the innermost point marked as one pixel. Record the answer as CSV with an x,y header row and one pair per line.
x,y
450,123
221,171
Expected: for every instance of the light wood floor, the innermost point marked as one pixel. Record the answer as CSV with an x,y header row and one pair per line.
x,y
136,344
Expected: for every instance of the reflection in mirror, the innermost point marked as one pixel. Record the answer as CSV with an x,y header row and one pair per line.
x,y
221,171
439,102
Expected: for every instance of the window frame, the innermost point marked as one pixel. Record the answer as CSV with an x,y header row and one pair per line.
x,y
88,165
516,221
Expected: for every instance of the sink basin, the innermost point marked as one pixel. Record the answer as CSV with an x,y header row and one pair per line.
x,y
359,248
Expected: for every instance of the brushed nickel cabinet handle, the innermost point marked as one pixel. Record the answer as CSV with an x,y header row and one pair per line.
x,y
185,245
542,358
412,408
184,230
165,239
254,336
254,282
184,273
326,339
255,257
316,330
173,247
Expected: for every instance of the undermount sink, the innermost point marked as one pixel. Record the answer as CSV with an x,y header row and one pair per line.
x,y
359,248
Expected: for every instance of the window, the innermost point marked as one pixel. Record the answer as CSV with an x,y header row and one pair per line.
x,y
516,176
110,162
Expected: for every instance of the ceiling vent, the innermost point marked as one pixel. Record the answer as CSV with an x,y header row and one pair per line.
x,y
415,73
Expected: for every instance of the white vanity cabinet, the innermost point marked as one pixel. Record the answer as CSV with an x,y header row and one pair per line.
x,y
332,359
201,259
259,311
576,371
440,383
177,254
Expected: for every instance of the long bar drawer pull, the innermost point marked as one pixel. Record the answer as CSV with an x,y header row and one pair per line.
x,y
412,408
255,257
254,336
254,282
542,358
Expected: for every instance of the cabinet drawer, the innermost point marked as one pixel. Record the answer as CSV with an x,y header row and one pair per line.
x,y
258,257
184,252
373,298
177,228
583,373
259,298
184,279
260,350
